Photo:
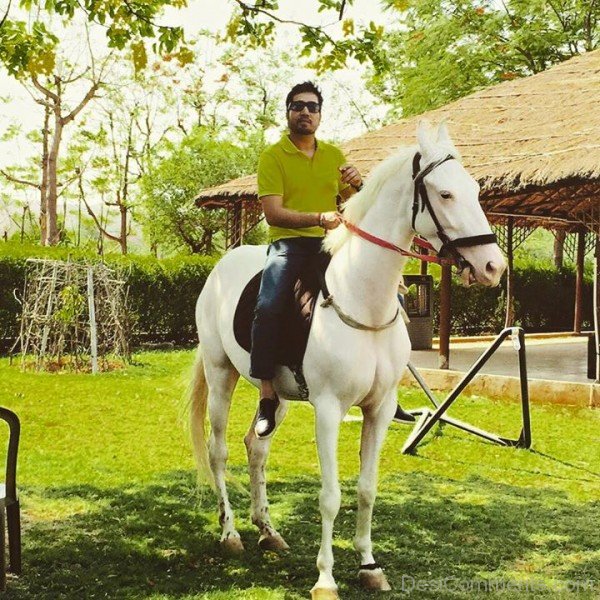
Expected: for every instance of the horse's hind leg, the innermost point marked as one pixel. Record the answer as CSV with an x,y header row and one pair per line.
x,y
258,452
375,426
221,378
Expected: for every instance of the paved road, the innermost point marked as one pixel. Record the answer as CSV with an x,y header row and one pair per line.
x,y
556,359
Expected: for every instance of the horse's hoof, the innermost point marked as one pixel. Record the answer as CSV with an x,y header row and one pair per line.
x,y
323,594
274,543
233,545
373,580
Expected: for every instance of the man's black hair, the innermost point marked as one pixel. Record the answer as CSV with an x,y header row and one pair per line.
x,y
299,88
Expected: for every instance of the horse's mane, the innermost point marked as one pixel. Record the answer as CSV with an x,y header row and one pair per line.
x,y
356,208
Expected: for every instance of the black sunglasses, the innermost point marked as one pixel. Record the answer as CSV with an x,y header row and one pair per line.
x,y
299,105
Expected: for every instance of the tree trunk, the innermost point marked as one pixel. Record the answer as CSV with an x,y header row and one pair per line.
x,y
123,231
207,241
123,208
25,209
53,234
44,184
53,103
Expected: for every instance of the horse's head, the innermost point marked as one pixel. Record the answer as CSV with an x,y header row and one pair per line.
x,y
448,209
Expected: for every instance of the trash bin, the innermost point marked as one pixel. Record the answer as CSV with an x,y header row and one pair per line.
x,y
417,304
591,356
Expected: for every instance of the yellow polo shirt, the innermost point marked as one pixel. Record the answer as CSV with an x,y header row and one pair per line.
x,y
306,184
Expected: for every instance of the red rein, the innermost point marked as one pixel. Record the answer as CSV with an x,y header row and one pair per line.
x,y
384,244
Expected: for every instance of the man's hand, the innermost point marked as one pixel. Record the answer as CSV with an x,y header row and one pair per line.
x,y
351,175
330,220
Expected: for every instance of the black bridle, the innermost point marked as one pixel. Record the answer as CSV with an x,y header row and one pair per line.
x,y
449,247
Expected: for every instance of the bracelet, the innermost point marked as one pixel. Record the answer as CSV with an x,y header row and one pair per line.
x,y
320,219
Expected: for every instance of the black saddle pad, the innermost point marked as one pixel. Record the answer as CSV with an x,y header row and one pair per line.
x,y
295,324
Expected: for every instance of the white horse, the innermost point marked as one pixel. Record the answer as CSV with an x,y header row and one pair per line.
x,y
343,366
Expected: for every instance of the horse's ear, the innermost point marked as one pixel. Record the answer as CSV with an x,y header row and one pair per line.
x,y
444,140
443,135
424,137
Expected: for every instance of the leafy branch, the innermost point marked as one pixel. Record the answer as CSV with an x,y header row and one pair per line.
x,y
332,53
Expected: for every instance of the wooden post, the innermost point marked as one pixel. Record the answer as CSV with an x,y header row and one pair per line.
x,y
510,306
92,313
597,305
445,283
49,309
578,315
236,224
424,263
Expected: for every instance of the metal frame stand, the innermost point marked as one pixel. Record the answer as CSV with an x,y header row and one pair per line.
x,y
428,418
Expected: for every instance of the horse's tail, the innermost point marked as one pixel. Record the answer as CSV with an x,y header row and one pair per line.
x,y
197,403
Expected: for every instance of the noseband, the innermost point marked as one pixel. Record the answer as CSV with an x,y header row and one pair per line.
x,y
421,199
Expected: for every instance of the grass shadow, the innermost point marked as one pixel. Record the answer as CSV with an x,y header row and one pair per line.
x,y
155,540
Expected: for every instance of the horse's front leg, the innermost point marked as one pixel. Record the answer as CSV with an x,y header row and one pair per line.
x,y
258,452
375,425
328,418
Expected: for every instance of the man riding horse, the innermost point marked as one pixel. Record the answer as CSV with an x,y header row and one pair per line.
x,y
299,179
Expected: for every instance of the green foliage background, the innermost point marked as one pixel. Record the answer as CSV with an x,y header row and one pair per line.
x,y
438,51
163,293
169,216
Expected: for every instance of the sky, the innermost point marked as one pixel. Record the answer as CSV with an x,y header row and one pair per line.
x,y
214,15
203,14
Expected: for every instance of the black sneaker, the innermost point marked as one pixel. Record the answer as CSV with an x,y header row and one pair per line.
x,y
265,422
402,416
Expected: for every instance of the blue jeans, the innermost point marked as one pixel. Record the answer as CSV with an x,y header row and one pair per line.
x,y
286,259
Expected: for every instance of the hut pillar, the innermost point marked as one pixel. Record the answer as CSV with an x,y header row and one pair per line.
x,y
510,305
236,225
445,283
578,316
424,263
597,305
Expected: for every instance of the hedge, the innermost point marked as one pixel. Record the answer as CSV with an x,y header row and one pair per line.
x,y
163,293
544,301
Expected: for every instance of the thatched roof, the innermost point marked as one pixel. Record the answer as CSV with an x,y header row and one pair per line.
x,y
532,143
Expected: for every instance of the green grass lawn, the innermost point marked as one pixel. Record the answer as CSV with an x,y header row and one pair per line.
x,y
110,508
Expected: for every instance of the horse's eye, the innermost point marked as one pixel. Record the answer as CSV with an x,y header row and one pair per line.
x,y
446,195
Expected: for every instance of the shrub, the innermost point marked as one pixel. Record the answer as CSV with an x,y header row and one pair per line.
x,y
544,301
162,293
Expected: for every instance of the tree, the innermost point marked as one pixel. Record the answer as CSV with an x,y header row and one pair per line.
x,y
169,215
18,219
32,51
61,108
56,117
441,50
30,46
110,158
256,23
